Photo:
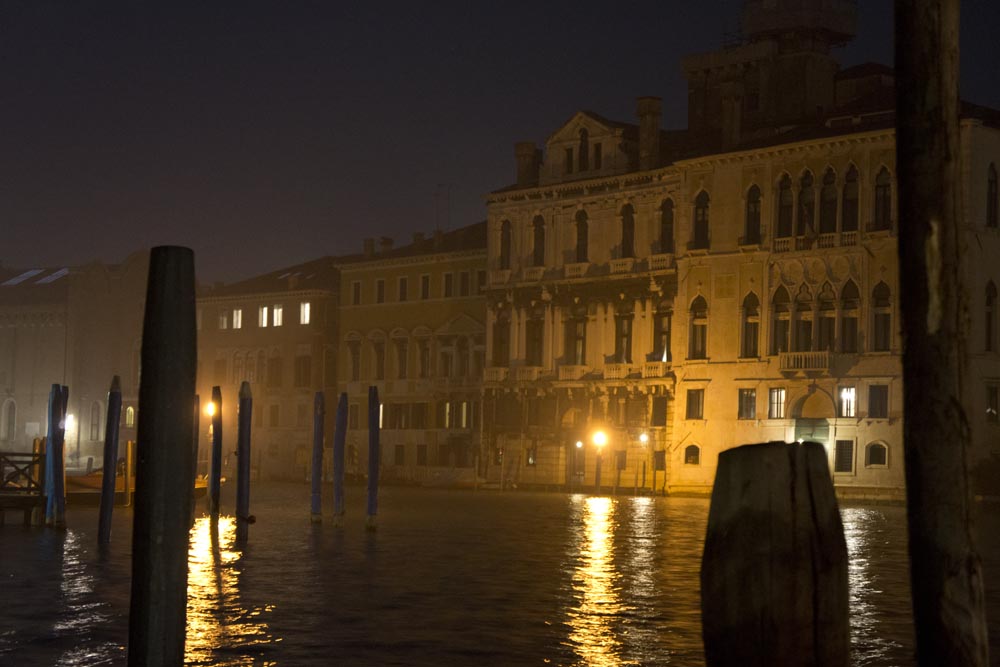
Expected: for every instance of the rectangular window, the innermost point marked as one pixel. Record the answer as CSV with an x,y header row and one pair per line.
x,y
848,402
352,416
399,455
464,285
531,455
425,287
597,156
262,319
883,332
849,334
992,403
480,281
356,293
659,416
223,320
354,350
237,318
661,336
843,460
304,312
424,348
803,335
576,341
827,326
402,357
776,403
699,341
401,289
276,314
750,337
303,370
421,455
379,360
534,340
748,404
878,401
779,342
379,291
621,458
623,340
449,285
695,404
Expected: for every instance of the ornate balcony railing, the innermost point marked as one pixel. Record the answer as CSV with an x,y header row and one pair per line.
x,y
622,265
495,373
655,369
533,273
577,269
572,372
848,238
617,371
804,361
783,245
499,276
527,373
661,262
827,240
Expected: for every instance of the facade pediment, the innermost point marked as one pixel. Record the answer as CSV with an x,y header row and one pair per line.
x,y
595,126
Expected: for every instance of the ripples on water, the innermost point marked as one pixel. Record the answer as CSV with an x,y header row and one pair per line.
x,y
449,578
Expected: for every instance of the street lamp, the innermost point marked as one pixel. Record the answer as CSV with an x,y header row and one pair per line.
x,y
600,438
644,439
210,409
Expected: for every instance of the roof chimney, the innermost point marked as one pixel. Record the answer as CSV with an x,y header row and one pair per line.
x,y
529,158
369,247
649,110
385,244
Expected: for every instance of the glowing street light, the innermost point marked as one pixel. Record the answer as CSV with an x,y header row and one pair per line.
x,y
210,409
579,444
69,424
600,438
644,438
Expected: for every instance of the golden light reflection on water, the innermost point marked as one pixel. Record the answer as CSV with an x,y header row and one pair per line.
x,y
594,585
216,616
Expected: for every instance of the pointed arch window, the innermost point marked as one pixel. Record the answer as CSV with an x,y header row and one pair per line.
x,y
698,344
628,231
752,225
803,320
582,237
781,314
991,317
849,304
828,204
538,241
751,326
849,202
807,205
881,318
883,201
827,326
667,226
505,243
700,232
130,417
583,153
991,197
785,204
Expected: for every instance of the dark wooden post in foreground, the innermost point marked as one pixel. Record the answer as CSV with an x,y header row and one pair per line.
x,y
243,422
164,472
319,413
110,473
215,473
339,440
945,573
774,569
374,412
55,460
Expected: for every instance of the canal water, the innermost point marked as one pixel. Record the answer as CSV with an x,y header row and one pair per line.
x,y
449,578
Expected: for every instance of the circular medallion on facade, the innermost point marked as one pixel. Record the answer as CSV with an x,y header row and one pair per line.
x,y
793,272
840,268
815,271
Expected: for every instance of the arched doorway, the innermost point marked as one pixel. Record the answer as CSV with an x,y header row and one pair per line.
x,y
812,413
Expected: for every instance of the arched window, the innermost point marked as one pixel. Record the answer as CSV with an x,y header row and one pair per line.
x,y
803,320
751,326
883,201
692,455
584,151
849,202
700,236
95,421
698,348
534,336
752,227
378,356
505,241
130,417
623,334
662,324
876,455
991,317
785,200
501,339
628,231
828,204
538,241
582,237
8,429
849,300
667,226
827,317
781,315
807,205
575,331
881,318
991,197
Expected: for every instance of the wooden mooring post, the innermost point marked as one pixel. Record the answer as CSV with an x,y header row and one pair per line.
x,y
157,614
109,475
339,442
243,423
774,569
374,424
319,414
55,459
215,471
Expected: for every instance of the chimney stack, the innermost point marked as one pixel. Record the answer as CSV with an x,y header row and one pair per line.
x,y
369,247
385,244
649,110
529,159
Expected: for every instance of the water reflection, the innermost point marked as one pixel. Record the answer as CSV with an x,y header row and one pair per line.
x,y
595,586
217,619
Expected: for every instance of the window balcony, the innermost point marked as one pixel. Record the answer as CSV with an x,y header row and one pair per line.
x,y
623,265
533,273
499,276
527,373
661,262
783,244
804,361
827,241
655,369
848,238
617,371
577,269
495,374
572,372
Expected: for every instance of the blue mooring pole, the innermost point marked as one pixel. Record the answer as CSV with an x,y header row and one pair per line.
x,y
374,411
317,458
54,463
195,437
110,461
215,478
243,518
339,440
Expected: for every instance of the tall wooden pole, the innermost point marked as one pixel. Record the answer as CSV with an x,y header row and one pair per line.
x,y
164,473
243,422
110,473
316,506
215,472
945,572
374,454
339,441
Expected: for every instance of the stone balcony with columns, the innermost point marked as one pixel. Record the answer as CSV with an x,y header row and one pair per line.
x,y
791,362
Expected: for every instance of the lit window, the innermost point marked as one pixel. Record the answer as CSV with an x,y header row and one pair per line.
x,y
262,316
223,320
304,312
276,313
776,403
848,403
695,404
748,404
843,458
237,318
130,417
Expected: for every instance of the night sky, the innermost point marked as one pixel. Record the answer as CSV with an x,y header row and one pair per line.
x,y
267,133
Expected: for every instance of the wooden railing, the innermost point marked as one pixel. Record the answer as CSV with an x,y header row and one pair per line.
x,y
22,473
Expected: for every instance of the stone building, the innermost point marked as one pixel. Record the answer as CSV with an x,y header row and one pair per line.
x,y
412,324
683,292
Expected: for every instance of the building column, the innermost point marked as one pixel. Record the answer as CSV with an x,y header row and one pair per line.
x,y
491,319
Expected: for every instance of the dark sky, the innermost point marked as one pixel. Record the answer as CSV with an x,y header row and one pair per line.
x,y
268,133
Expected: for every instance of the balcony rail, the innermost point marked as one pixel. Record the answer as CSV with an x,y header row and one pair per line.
x,y
499,276
495,373
827,240
622,265
572,372
661,262
849,238
533,273
617,371
655,369
783,244
577,269
527,373
804,361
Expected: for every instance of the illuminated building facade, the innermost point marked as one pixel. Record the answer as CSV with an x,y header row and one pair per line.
x,y
730,283
412,324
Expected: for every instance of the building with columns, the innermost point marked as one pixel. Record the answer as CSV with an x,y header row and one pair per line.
x,y
683,292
